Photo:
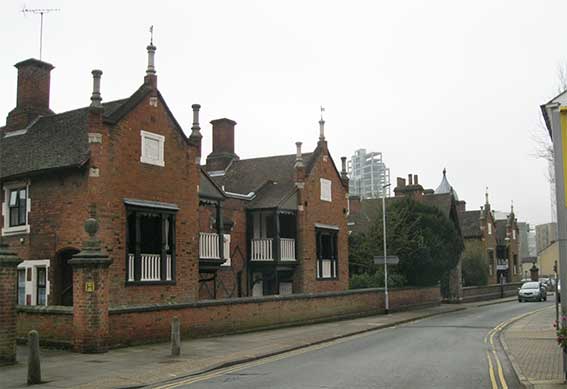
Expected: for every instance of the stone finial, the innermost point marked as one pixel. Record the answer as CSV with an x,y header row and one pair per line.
x,y
91,252
298,155
151,70
321,130
96,98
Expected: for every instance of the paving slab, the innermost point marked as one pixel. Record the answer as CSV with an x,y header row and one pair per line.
x,y
531,344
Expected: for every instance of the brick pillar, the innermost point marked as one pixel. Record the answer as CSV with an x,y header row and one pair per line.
x,y
534,273
90,295
8,281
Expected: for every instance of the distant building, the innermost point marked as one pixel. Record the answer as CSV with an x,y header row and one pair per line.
x,y
524,242
368,175
546,234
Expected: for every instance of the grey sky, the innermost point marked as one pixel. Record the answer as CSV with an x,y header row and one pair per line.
x,y
431,84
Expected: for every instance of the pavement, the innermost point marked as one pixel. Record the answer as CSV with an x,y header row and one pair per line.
x,y
531,345
140,366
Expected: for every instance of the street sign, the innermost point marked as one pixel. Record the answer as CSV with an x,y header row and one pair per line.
x,y
390,260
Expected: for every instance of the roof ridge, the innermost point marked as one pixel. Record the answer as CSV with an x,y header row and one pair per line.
x,y
270,156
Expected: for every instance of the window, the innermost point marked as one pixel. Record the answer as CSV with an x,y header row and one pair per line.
x,y
151,245
513,234
41,286
152,148
16,208
21,286
326,194
489,228
327,258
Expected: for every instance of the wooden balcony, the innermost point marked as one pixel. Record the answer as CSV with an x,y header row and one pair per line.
x,y
210,253
262,250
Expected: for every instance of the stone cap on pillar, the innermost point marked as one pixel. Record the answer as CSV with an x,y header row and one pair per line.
x,y
8,258
92,253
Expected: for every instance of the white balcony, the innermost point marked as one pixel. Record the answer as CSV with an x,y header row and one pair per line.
x,y
263,250
150,269
209,246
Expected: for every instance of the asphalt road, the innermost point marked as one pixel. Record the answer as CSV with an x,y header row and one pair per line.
x,y
449,351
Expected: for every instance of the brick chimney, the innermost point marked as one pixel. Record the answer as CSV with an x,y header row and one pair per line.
x,y
223,145
195,138
354,204
34,78
413,189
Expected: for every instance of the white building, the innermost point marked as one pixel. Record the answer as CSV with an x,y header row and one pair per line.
x,y
368,175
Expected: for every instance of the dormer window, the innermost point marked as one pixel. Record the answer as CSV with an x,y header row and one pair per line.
x,y
152,148
16,208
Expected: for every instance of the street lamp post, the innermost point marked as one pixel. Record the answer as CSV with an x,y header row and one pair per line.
x,y
386,298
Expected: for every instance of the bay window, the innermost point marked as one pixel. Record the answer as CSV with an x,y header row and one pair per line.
x,y
327,254
150,245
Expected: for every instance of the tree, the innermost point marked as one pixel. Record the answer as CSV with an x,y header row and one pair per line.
x,y
426,242
474,268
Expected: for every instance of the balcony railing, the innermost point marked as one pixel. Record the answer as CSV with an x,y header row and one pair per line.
x,y
150,269
263,250
287,249
209,246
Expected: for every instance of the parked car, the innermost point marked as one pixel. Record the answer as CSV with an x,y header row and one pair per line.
x,y
532,291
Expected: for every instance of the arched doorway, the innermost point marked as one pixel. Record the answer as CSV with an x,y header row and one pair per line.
x,y
64,277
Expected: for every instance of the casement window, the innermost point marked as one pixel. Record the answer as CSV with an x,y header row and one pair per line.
x,y
21,286
16,208
489,228
152,149
41,286
151,246
327,254
326,193
513,234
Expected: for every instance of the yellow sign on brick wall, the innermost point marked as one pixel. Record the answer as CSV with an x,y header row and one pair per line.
x,y
89,286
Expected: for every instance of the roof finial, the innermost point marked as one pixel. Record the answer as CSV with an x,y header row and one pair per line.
x,y
512,207
151,70
444,172
486,195
322,126
152,35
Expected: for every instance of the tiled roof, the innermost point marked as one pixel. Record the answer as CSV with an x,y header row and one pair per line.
x,y
270,178
51,142
470,224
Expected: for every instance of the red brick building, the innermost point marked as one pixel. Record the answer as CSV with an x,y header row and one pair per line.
x,y
286,216
262,226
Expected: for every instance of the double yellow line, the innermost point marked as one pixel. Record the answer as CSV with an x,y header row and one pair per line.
x,y
489,338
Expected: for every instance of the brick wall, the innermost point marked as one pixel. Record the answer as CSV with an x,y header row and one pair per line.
x,y
131,325
489,292
323,212
54,323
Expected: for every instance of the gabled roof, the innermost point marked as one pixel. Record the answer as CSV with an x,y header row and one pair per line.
x,y
51,142
501,231
561,98
470,224
270,178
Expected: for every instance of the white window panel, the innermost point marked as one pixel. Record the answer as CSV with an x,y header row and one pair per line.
x,y
286,288
326,194
152,148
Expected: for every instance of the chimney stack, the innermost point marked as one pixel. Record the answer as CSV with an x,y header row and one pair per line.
x,y
34,79
400,182
223,144
415,182
151,77
298,155
410,179
196,137
321,130
344,174
96,98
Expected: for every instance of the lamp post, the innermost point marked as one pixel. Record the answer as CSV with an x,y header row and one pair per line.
x,y
387,300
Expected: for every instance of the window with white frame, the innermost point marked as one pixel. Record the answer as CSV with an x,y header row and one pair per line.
x,y
16,208
41,286
489,228
326,194
152,148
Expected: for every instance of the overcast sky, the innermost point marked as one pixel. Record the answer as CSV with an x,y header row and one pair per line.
x,y
431,84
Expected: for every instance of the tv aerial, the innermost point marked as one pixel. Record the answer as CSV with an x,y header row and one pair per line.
x,y
41,12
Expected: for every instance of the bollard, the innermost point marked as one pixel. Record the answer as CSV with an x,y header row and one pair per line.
x,y
175,337
34,368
